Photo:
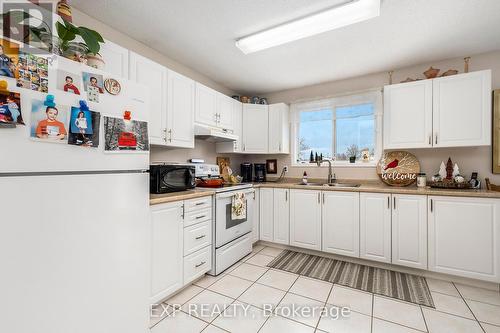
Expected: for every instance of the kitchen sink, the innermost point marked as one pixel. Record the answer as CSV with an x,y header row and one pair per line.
x,y
311,184
344,185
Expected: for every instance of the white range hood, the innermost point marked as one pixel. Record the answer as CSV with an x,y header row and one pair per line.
x,y
211,134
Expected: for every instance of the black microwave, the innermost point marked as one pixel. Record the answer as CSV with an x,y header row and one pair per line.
x,y
165,178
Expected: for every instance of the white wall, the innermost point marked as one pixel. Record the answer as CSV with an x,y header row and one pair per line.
x,y
469,159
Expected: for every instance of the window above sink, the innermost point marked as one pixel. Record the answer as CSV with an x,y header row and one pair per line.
x,y
336,127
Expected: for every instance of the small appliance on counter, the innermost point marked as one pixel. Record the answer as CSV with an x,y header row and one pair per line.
x,y
166,178
260,172
247,172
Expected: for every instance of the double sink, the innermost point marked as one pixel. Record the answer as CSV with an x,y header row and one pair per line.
x,y
331,184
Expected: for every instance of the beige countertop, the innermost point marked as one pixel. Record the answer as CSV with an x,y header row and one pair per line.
x,y
378,187
366,186
155,199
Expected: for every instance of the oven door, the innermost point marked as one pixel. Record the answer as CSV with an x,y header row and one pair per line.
x,y
227,229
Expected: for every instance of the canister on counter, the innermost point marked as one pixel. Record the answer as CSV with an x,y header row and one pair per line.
x,y
421,180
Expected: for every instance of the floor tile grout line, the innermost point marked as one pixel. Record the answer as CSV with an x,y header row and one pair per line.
x,y
324,306
467,304
373,305
423,317
398,324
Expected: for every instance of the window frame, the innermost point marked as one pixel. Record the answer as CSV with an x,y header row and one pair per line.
x,y
372,96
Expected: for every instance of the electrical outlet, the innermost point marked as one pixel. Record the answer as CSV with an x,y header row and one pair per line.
x,y
285,168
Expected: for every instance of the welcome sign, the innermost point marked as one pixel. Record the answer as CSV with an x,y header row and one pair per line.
x,y
398,168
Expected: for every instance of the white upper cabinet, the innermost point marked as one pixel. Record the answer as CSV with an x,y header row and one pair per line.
x,y
451,111
279,129
340,219
266,214
116,59
464,237
153,76
206,105
282,216
224,113
375,226
408,115
235,146
409,230
255,128
462,110
180,111
305,219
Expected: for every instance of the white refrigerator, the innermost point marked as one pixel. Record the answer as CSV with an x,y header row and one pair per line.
x,y
74,224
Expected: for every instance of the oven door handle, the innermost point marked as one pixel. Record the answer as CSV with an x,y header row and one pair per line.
x,y
231,193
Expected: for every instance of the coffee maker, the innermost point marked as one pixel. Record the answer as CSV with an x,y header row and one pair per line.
x,y
246,172
260,172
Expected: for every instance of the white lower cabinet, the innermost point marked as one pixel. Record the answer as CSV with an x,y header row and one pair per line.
x,y
266,214
409,230
256,216
274,215
375,226
181,245
340,220
305,219
281,216
167,249
464,235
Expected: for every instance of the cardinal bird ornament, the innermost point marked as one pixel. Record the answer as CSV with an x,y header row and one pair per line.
x,y
392,165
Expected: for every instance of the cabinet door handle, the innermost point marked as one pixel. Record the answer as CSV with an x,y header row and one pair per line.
x,y
430,140
200,237
200,264
388,202
436,141
323,198
432,206
170,135
199,203
394,202
319,197
200,217
286,195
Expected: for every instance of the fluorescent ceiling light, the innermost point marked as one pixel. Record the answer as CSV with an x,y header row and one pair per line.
x,y
340,16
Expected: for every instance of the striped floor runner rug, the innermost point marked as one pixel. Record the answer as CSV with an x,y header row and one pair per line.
x,y
406,287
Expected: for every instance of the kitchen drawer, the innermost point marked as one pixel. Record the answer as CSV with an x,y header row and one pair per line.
x,y
197,204
197,236
191,218
197,264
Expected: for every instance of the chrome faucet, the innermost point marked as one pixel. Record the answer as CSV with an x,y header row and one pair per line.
x,y
331,176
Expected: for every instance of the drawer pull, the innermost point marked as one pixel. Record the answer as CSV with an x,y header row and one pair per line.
x,y
200,237
200,217
199,203
200,264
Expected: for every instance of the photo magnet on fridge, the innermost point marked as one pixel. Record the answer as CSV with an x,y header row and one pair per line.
x,y
93,94
69,82
93,80
33,72
9,56
10,107
84,126
125,135
48,121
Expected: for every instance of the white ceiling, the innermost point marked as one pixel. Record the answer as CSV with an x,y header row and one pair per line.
x,y
201,33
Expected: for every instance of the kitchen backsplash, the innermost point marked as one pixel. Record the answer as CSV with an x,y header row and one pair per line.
x,y
469,160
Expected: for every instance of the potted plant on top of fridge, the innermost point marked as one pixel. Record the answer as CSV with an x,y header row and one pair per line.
x,y
77,51
352,152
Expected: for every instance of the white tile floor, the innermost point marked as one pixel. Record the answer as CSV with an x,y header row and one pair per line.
x,y
238,300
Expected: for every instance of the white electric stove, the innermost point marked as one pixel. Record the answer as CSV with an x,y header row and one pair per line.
x,y
232,239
